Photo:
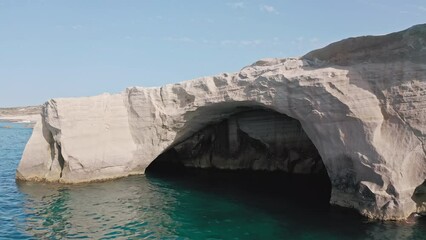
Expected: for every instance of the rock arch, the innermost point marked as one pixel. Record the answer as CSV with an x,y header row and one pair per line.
x,y
252,138
366,118
256,146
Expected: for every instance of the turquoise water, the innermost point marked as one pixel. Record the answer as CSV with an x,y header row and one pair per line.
x,y
151,207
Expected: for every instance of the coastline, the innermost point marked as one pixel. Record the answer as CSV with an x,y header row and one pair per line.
x,y
27,115
31,119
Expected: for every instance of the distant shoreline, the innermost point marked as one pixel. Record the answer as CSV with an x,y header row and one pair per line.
x,y
29,115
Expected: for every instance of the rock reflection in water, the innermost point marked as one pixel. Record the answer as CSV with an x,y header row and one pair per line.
x,y
126,207
186,208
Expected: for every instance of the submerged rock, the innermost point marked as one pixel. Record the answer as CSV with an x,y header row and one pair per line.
x,y
361,102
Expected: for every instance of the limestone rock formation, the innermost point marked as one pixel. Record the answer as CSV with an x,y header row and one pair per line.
x,y
361,102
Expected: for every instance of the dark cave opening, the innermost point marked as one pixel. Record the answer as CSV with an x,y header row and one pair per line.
x,y
419,197
255,151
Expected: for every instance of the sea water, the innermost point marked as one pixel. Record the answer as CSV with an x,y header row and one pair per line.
x,y
155,207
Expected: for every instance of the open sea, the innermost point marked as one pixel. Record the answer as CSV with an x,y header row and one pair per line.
x,y
159,207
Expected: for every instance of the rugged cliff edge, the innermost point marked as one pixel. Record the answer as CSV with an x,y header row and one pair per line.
x,y
360,101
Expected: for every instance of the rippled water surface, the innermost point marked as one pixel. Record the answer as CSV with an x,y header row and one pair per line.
x,y
142,207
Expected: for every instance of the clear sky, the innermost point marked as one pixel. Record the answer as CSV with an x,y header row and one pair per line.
x,y
58,48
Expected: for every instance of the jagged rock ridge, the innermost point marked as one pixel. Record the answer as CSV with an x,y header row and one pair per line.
x,y
362,103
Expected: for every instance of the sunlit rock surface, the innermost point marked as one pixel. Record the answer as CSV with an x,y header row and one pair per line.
x,y
361,102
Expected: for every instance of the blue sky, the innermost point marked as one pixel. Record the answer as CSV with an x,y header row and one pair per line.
x,y
86,47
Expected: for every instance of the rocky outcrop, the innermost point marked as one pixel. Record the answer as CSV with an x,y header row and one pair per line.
x,y
361,102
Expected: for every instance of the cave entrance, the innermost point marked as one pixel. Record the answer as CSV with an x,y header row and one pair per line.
x,y
419,197
255,150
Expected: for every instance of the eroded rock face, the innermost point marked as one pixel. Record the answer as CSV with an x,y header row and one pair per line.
x,y
362,103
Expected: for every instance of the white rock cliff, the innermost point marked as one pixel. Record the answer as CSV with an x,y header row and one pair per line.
x,y
361,101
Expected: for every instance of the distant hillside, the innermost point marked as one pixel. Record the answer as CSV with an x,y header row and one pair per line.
x,y
20,111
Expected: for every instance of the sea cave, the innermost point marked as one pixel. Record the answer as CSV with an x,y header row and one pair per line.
x,y
252,149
